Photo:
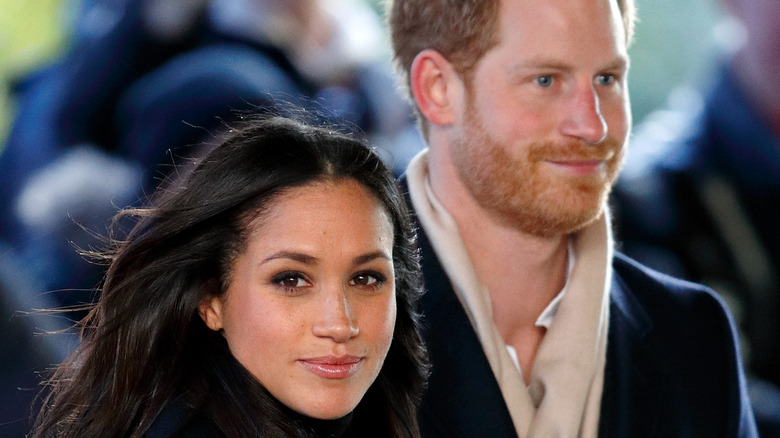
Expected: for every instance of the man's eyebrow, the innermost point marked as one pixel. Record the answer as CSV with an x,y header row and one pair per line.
x,y
295,256
619,62
538,63
542,63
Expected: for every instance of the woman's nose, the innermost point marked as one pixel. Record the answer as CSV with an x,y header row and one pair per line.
x,y
334,318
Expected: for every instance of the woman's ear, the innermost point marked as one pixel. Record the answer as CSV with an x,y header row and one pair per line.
x,y
210,310
434,84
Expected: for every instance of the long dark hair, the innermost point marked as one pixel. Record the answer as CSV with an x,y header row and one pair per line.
x,y
144,345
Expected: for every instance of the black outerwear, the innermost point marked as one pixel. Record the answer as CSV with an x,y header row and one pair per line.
x,y
179,421
700,197
673,369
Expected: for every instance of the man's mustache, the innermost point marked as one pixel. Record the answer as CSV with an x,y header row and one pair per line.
x,y
575,151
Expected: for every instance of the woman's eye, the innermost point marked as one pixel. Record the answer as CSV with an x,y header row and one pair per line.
x,y
289,280
544,81
367,279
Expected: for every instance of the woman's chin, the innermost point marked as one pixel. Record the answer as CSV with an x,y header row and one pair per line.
x,y
328,412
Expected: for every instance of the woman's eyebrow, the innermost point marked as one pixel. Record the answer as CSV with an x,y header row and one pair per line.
x,y
295,256
365,258
311,260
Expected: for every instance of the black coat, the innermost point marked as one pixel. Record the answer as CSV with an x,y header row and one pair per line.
x,y
176,421
179,421
673,368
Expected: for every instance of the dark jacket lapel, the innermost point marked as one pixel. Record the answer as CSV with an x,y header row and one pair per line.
x,y
633,383
463,399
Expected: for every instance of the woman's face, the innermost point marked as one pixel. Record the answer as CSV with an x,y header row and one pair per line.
x,y
310,307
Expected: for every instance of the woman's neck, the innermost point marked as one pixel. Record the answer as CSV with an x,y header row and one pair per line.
x,y
318,428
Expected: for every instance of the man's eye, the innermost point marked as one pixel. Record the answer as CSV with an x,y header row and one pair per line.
x,y
605,79
544,81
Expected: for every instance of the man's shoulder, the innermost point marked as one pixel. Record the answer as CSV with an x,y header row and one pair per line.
x,y
672,317
659,292
674,342
642,276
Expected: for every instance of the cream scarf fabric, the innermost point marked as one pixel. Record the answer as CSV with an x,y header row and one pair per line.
x,y
564,396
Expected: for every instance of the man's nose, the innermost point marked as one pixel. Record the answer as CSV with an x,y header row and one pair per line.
x,y
334,318
583,118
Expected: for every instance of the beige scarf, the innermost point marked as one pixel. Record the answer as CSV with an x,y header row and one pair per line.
x,y
564,396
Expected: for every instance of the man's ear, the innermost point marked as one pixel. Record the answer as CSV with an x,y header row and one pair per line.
x,y
210,311
436,87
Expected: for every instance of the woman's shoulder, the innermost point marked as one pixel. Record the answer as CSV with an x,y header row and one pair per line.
x,y
178,421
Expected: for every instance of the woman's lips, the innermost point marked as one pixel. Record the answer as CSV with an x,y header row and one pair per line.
x,y
333,367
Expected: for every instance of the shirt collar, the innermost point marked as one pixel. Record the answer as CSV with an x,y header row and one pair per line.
x,y
546,317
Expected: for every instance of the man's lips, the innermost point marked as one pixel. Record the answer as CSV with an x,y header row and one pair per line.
x,y
332,367
581,167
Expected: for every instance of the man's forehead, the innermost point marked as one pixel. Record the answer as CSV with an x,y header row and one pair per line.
x,y
554,27
583,16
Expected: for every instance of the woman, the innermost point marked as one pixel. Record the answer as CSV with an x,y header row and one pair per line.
x,y
271,293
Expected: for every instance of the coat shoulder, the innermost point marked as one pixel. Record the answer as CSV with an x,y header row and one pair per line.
x,y
179,421
674,342
656,290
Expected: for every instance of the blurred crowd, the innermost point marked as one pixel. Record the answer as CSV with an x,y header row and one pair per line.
x,y
699,197
142,83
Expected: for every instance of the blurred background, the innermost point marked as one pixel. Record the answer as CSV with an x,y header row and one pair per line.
x,y
97,95
31,34
674,45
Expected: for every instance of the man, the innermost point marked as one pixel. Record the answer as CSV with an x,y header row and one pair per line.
x,y
535,327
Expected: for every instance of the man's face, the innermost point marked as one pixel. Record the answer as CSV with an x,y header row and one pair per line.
x,y
540,138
